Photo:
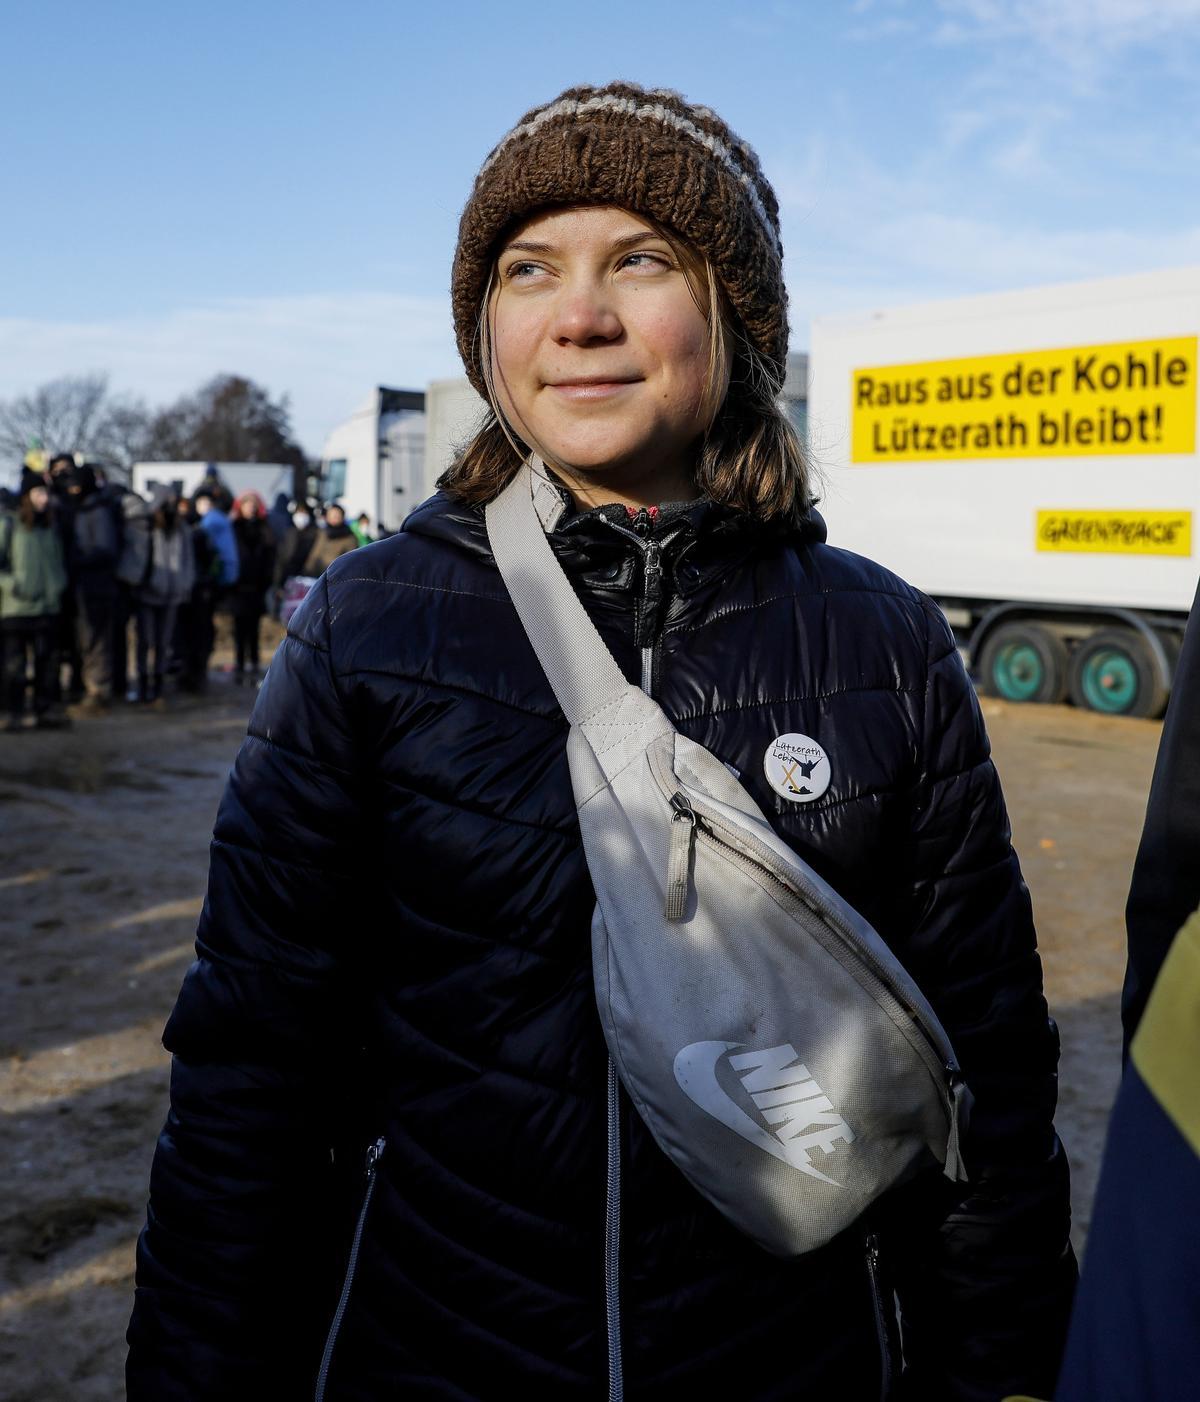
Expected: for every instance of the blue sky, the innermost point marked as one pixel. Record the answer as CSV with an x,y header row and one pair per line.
x,y
273,188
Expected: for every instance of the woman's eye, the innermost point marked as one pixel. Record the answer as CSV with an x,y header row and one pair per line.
x,y
517,270
644,260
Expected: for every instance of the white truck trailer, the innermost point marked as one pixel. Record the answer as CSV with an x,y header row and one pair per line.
x,y
1028,459
374,461
268,479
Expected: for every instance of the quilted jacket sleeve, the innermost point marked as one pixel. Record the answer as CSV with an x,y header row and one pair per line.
x,y
232,1281
984,1276
1166,876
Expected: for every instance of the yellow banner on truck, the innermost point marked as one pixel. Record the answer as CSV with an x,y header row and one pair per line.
x,y
1127,397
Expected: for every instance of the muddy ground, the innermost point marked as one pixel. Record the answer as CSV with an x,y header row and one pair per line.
x,y
103,869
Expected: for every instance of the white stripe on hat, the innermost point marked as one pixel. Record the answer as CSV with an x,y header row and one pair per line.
x,y
574,107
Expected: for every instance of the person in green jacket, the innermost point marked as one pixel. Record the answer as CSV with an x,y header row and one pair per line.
x,y
33,578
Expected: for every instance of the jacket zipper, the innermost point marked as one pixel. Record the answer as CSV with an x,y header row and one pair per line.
x,y
612,1194
885,1352
938,1059
374,1154
650,605
612,1240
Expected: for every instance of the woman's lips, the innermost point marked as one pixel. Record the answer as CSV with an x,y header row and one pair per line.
x,y
582,390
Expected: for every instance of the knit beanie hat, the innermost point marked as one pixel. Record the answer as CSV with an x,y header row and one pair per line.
x,y
648,151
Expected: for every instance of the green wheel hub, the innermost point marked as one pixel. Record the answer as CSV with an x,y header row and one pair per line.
x,y
1018,672
1110,681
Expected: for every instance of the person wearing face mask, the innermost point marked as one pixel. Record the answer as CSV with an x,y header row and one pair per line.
x,y
399,1161
297,543
294,550
33,580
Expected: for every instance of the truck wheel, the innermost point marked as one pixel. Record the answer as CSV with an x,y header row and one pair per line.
x,y
1024,662
1115,673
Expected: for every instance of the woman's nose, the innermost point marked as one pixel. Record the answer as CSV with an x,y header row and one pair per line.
x,y
585,314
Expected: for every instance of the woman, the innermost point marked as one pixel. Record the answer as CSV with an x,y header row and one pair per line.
x,y
618,293
335,540
167,581
33,580
256,573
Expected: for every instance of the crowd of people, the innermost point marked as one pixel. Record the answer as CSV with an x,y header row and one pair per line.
x,y
86,562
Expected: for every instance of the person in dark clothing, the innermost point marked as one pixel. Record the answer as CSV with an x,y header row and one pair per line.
x,y
59,472
33,580
1165,888
299,541
256,571
213,486
396,1163
94,535
279,518
1135,1331
194,621
132,569
166,583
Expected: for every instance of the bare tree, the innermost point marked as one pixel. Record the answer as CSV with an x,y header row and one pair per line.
x,y
76,414
123,435
62,415
229,419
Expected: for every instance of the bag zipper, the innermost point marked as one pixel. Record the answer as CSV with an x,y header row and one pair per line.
x,y
885,1352
679,861
374,1154
940,1062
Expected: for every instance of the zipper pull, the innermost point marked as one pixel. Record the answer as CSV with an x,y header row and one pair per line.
x,y
374,1154
960,1109
683,835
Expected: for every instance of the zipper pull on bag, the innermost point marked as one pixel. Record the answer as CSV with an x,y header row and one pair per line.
x,y
679,863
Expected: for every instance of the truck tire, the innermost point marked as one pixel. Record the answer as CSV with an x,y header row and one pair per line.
x,y
1114,672
1024,662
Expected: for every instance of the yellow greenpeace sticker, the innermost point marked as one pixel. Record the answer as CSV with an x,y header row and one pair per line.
x,y
1125,397
1116,532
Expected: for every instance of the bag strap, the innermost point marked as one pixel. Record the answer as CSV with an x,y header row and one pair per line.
x,y
579,667
616,719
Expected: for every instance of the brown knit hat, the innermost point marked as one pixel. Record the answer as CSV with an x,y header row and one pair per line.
x,y
648,151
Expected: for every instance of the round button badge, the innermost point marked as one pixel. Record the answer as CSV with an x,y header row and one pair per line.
x,y
797,768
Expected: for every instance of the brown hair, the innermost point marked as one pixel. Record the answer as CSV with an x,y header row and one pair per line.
x,y
749,455
30,518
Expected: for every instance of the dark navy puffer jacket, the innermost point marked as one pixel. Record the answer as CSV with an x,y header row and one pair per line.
x,y
395,944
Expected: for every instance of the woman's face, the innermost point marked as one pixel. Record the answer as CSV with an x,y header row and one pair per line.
x,y
600,354
249,509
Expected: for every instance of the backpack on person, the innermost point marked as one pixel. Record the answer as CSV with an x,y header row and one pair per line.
x,y
777,1050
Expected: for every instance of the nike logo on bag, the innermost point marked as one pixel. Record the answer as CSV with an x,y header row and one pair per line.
x,y
780,1087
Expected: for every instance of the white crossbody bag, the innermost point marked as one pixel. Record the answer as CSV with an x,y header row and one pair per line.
x,y
776,1048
